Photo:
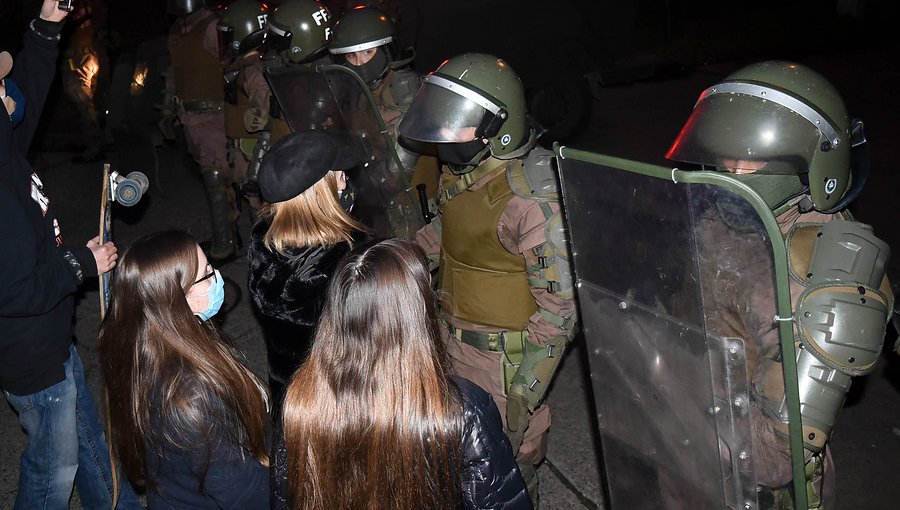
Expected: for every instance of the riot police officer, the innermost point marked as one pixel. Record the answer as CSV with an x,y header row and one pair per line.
x,y
499,242
364,41
194,91
298,32
783,130
242,31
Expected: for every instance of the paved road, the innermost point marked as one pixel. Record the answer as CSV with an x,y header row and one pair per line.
x,y
637,121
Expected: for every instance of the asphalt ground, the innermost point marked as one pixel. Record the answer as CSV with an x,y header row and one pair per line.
x,y
636,121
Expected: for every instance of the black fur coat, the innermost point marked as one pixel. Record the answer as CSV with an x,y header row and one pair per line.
x,y
288,291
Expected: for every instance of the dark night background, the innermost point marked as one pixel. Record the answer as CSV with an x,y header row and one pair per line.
x,y
617,77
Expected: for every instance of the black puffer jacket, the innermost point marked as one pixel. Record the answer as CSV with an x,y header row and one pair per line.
x,y
490,476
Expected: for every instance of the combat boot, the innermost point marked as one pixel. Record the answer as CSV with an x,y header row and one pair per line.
x,y
223,215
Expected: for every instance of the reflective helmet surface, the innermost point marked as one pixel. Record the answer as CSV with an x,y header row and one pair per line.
x,y
774,118
364,28
359,29
299,29
470,97
242,26
182,7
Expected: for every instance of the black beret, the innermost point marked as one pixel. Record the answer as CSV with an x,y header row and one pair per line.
x,y
300,159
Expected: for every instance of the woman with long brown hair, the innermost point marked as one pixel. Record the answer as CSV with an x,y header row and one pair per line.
x,y
373,419
188,418
302,232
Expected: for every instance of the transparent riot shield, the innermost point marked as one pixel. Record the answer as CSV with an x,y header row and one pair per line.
x,y
335,98
677,290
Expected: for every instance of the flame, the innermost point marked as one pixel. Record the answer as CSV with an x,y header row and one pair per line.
x,y
140,75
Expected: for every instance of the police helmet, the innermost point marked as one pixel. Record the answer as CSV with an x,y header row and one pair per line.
x,y
778,118
360,29
242,27
469,99
182,7
299,30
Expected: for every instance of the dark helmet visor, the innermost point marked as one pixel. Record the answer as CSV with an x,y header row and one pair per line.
x,y
278,38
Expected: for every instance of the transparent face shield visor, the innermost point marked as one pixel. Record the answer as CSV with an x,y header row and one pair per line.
x,y
445,112
746,134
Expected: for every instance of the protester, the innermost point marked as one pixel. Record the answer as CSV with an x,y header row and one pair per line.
x,y
303,231
40,370
187,417
373,419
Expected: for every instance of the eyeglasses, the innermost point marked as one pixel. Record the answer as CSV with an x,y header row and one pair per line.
x,y
209,275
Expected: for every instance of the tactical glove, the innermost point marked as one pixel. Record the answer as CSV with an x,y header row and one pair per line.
x,y
516,416
255,119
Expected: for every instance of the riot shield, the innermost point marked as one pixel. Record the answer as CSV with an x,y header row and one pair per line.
x,y
335,98
679,297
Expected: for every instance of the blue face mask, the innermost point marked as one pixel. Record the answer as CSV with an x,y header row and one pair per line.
x,y
216,298
13,91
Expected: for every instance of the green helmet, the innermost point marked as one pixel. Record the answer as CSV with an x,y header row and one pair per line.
x,y
182,7
242,27
778,119
469,99
299,30
363,28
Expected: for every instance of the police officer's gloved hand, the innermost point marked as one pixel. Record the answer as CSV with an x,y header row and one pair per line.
x,y
516,416
255,119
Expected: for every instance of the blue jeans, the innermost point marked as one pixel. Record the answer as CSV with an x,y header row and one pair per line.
x,y
66,444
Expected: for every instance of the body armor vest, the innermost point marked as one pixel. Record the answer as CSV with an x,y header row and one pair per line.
x,y
483,283
198,74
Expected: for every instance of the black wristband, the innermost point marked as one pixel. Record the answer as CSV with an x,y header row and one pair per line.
x,y
48,30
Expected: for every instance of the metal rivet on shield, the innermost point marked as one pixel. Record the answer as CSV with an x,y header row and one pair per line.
x,y
623,305
744,455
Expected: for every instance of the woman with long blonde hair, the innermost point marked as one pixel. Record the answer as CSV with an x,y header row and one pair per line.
x,y
188,418
301,233
373,419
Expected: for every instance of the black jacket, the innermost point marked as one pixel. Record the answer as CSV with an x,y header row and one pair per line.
x,y
232,478
288,291
38,274
490,476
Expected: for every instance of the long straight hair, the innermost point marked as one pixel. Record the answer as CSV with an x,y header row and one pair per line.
x,y
312,218
371,419
156,356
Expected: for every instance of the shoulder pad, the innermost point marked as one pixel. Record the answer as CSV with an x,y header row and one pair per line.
x,y
535,178
404,85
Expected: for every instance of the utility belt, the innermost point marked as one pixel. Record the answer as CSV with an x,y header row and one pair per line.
x,y
511,345
199,105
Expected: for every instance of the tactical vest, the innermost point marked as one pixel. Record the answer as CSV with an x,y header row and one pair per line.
x,y
482,282
197,73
